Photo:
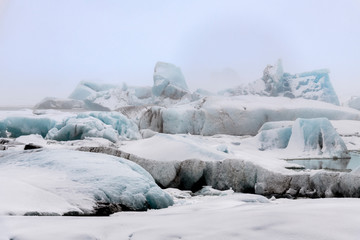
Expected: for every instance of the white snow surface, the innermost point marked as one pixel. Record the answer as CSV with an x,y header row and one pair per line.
x,y
232,216
61,181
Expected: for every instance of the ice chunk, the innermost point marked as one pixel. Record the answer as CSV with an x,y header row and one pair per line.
x,y
274,138
354,102
75,128
56,103
313,85
106,125
238,115
86,88
316,137
16,126
169,81
64,181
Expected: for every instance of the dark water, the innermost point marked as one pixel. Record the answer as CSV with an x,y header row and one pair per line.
x,y
331,164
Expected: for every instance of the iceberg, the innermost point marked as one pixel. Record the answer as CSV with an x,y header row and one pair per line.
x,y
169,81
353,102
303,138
77,183
86,88
62,126
106,125
237,115
16,126
314,85
56,103
274,138
316,137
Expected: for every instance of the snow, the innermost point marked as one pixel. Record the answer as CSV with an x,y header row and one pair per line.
x,y
235,216
75,182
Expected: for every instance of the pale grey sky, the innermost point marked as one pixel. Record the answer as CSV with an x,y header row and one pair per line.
x,y
48,46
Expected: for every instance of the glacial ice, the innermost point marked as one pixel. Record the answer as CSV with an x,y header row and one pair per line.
x,y
15,126
303,138
316,137
106,125
314,85
353,102
65,126
250,175
86,88
56,103
75,182
237,115
274,138
169,81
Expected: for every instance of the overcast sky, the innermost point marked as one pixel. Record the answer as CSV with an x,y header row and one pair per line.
x,y
48,46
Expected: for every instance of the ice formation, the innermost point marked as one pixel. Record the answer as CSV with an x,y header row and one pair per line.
x,y
111,126
65,126
169,81
56,103
316,137
274,138
71,182
243,175
303,138
237,115
353,102
16,126
275,82
87,88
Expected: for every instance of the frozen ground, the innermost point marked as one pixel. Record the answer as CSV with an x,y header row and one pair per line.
x,y
235,216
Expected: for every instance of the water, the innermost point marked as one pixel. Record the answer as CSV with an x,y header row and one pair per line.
x,y
345,165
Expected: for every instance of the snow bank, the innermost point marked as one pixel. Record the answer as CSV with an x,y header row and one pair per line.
x,y
231,217
76,183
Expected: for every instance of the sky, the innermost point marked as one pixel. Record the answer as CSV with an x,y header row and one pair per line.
x,y
47,47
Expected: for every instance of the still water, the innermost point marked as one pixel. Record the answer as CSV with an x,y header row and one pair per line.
x,y
331,164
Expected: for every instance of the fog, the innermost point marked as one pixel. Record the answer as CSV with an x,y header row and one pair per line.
x,y
47,47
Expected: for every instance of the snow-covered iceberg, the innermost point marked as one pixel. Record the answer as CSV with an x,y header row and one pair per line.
x,y
303,138
353,102
316,137
58,182
57,103
237,115
111,126
86,88
169,81
275,82
63,126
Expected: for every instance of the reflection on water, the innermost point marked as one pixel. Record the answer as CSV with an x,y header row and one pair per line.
x,y
331,164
